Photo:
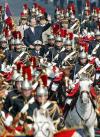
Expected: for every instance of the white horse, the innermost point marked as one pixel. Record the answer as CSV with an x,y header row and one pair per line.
x,y
83,113
43,124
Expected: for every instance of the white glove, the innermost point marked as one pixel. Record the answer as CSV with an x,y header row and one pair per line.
x,y
3,114
97,62
8,121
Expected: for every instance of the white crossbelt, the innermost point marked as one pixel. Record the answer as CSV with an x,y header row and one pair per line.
x,y
68,56
58,54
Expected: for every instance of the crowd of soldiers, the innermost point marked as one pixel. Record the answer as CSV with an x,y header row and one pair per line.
x,y
42,60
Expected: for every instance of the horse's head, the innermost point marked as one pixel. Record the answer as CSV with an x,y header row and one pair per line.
x,y
85,91
43,125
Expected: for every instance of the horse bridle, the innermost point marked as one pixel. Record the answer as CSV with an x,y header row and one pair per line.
x,y
40,129
84,91
79,113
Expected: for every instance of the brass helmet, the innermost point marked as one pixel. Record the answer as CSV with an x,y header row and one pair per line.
x,y
41,90
26,84
59,39
3,39
83,55
51,37
18,42
67,42
12,42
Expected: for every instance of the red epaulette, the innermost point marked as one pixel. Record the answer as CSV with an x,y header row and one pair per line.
x,y
74,91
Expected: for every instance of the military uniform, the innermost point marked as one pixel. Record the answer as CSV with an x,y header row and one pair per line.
x,y
52,53
45,50
92,45
76,69
9,101
62,56
55,113
35,53
10,55
18,106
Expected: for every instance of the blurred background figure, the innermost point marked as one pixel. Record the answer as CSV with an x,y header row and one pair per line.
x,y
93,3
59,3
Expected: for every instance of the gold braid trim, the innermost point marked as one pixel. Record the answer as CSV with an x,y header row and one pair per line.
x,y
54,108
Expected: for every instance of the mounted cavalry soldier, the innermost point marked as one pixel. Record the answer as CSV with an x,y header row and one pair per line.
x,y
50,44
14,93
55,51
3,43
11,52
74,24
52,107
64,54
82,61
95,44
19,112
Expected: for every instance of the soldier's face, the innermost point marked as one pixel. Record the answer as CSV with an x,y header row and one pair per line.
x,y
18,47
42,99
83,60
51,41
4,44
68,47
12,47
59,43
18,85
26,92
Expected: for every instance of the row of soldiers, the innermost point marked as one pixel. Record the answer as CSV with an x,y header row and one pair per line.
x,y
41,48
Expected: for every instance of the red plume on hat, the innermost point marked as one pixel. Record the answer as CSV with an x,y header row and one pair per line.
x,y
71,7
0,7
43,79
36,5
88,3
19,65
87,7
17,34
71,35
55,28
85,45
7,32
27,70
25,6
23,15
62,33
8,21
43,10
33,61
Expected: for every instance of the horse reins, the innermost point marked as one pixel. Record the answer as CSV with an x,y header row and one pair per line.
x,y
80,115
